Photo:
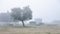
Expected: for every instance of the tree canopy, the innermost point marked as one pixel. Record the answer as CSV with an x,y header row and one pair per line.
x,y
21,14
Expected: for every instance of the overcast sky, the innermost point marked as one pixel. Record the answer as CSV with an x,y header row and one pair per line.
x,y
48,10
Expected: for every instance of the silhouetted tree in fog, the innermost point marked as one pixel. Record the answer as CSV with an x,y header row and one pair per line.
x,y
22,14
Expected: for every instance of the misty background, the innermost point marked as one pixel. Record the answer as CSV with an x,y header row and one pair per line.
x,y
47,10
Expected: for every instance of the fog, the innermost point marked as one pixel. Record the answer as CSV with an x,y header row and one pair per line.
x,y
48,10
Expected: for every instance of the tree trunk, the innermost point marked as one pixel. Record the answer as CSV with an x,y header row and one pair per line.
x,y
23,23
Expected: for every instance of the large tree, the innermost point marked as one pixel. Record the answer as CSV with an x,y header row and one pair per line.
x,y
21,14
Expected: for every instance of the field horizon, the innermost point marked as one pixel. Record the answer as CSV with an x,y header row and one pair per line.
x,y
30,30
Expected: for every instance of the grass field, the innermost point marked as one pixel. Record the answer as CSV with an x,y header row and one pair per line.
x,y
30,30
